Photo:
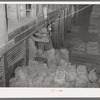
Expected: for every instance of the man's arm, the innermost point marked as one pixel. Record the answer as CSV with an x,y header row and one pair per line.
x,y
44,39
38,34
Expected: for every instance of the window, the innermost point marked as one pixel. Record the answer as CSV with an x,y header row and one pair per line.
x,y
28,6
28,10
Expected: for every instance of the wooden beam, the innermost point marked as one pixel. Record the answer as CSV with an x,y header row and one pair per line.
x,y
26,52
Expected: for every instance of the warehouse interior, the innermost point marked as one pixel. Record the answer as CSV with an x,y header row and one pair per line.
x,y
71,58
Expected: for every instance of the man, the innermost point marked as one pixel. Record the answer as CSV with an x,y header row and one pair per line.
x,y
45,44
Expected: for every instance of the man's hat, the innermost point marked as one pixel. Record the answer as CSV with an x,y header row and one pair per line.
x,y
43,30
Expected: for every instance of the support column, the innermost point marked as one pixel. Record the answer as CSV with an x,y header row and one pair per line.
x,y
33,13
3,26
21,11
12,12
3,41
40,10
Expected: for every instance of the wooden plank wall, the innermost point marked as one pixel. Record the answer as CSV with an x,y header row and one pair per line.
x,y
59,30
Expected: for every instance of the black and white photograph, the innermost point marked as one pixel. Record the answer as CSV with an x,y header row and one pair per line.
x,y
50,45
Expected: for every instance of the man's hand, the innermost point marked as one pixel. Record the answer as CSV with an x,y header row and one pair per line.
x,y
39,34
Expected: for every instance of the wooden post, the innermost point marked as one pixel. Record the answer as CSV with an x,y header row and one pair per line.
x,y
69,19
6,71
55,34
3,27
66,17
12,13
3,36
27,52
63,29
33,12
21,11
40,7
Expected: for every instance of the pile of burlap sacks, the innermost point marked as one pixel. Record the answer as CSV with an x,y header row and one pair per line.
x,y
91,47
95,20
59,72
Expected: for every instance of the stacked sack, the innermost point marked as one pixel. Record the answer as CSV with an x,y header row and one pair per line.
x,y
94,30
57,73
95,20
93,48
37,75
78,44
78,77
